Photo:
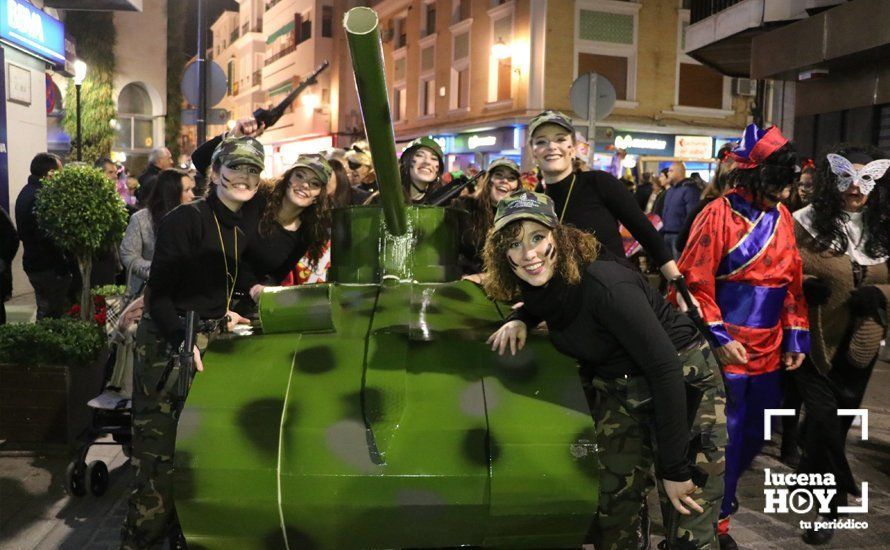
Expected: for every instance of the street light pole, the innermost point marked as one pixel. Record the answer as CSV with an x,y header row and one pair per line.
x,y
80,74
201,60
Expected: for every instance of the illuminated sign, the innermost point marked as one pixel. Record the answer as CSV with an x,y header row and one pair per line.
x,y
632,142
476,141
32,30
692,147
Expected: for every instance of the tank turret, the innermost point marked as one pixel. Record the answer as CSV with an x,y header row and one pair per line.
x,y
368,412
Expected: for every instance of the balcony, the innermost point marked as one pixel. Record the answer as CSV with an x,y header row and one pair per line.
x,y
233,37
257,78
273,58
720,31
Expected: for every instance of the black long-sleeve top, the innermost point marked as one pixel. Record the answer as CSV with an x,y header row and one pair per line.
x,y
470,252
188,271
598,202
40,252
615,324
270,257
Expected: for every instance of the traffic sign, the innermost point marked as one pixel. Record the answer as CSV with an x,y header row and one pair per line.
x,y
216,84
214,117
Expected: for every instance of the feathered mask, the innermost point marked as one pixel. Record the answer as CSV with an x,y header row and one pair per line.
x,y
865,178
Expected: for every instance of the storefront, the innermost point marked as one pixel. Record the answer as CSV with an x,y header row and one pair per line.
x,y
477,149
651,152
281,156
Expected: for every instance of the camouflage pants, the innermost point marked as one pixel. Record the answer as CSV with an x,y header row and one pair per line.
x,y
623,414
150,512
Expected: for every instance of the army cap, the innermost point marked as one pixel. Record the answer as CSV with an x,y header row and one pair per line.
x,y
359,153
235,151
549,117
318,164
504,162
429,143
525,205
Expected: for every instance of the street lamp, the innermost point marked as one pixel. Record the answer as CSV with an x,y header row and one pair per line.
x,y
80,73
500,50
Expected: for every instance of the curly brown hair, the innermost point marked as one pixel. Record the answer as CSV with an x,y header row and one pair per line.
x,y
315,220
575,249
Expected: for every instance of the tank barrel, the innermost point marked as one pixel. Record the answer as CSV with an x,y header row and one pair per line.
x,y
363,34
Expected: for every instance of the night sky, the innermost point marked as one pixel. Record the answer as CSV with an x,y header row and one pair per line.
x,y
215,7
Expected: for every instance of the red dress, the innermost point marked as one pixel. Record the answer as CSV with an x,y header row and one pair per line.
x,y
743,266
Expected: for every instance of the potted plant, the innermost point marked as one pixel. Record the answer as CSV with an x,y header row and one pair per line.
x,y
48,372
79,208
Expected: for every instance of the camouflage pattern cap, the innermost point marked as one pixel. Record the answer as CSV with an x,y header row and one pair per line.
x,y
504,162
525,205
549,117
359,153
429,143
234,151
317,163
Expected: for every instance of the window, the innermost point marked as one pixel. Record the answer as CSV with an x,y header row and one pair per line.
x,y
427,97
500,70
400,38
399,103
698,87
327,21
134,128
459,97
230,76
429,18
303,25
460,10
606,43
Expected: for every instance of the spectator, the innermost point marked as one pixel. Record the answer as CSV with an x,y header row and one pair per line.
x,y
9,245
644,191
45,264
656,200
844,240
339,190
803,189
159,159
361,169
106,263
680,201
172,188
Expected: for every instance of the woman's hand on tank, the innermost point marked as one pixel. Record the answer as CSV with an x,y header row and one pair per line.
x,y
792,360
680,493
255,292
732,353
477,278
234,319
511,334
196,354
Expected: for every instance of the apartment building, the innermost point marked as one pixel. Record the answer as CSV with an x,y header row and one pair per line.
x,y
471,73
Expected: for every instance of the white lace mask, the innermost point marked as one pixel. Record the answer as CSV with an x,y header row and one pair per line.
x,y
864,178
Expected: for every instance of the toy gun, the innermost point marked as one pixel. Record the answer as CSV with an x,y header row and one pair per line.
x,y
454,190
270,116
186,361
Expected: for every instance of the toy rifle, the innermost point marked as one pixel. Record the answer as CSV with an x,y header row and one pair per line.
x,y
185,365
454,190
270,116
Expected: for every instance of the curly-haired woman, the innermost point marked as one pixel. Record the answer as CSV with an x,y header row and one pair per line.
x,y
637,357
844,239
294,222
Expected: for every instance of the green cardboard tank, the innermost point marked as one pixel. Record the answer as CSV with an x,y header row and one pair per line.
x,y
368,412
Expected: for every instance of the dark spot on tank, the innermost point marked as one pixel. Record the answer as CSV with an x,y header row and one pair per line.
x,y
521,367
184,476
259,422
372,404
314,360
583,450
454,293
478,447
295,539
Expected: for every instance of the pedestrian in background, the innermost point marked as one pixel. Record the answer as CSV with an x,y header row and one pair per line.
x,y
9,246
46,266
680,200
361,169
339,189
159,159
644,191
844,238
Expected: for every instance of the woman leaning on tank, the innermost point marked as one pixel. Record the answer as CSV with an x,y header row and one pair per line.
x,y
626,339
844,240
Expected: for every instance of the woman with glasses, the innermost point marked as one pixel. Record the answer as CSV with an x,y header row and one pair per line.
x,y
294,222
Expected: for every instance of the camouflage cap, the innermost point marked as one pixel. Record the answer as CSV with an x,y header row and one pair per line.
x,y
525,205
549,117
504,162
239,150
318,164
359,153
429,143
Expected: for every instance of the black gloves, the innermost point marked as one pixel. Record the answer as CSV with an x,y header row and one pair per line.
x,y
816,291
866,300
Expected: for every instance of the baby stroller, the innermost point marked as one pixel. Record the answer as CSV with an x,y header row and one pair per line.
x,y
111,408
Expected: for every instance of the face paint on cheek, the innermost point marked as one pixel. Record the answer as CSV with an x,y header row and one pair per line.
x,y
551,252
224,181
513,264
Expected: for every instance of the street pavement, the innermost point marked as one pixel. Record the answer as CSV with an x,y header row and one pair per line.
x,y
37,513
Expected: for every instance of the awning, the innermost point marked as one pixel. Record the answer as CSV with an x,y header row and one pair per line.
x,y
282,31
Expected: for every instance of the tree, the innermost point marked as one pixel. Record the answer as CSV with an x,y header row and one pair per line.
x,y
176,59
79,208
97,93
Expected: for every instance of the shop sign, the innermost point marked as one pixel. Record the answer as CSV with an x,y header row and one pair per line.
x,y
693,147
661,145
34,31
720,142
495,140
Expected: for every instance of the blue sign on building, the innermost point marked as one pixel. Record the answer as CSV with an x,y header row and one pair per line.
x,y
32,30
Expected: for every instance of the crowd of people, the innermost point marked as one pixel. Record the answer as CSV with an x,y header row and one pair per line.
x,y
786,262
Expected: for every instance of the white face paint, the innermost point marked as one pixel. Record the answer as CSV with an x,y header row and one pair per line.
x,y
533,254
424,167
503,182
304,187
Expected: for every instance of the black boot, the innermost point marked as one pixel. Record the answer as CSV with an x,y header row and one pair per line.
x,y
727,542
820,537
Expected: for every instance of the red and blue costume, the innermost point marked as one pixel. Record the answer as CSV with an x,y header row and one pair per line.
x,y
743,266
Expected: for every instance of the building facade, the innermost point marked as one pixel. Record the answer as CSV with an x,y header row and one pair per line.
x,y
471,73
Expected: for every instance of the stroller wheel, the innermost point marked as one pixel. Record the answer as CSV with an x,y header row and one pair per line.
x,y
77,478
98,474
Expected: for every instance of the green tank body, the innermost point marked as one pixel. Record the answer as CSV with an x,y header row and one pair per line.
x,y
368,412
